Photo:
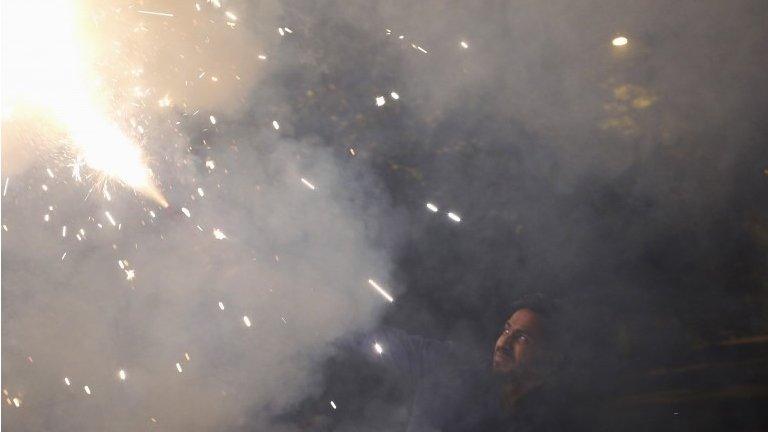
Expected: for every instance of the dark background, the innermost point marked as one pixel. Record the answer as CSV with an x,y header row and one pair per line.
x,y
648,223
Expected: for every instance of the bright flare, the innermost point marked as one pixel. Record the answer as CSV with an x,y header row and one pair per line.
x,y
44,68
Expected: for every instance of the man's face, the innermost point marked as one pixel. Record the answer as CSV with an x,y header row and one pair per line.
x,y
519,347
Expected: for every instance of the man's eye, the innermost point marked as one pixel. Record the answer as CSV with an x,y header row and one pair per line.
x,y
523,338
506,331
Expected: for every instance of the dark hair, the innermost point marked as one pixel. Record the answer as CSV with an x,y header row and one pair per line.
x,y
546,309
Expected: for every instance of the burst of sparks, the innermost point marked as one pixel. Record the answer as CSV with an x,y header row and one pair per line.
x,y
47,65
433,208
378,348
381,290
165,14
121,374
219,234
246,320
380,101
307,183
620,41
454,217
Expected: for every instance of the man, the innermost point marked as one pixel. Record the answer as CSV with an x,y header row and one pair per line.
x,y
513,390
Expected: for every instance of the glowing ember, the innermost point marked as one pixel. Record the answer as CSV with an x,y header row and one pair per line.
x,y
378,348
454,217
464,44
219,234
275,125
394,95
121,374
381,290
620,41
246,320
178,367
432,207
307,183
380,101
87,390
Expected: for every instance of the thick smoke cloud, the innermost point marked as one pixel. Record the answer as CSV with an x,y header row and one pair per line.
x,y
626,181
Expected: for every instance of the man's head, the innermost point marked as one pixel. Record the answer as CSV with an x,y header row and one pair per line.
x,y
523,349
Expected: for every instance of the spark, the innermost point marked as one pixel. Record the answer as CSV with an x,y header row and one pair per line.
x,y
111,220
87,390
262,57
197,6
380,101
378,348
394,95
186,212
130,274
210,164
47,217
50,173
333,405
216,3
5,188
17,402
620,41
45,188
186,356
165,14
432,207
107,195
280,30
64,255
454,217
246,320
275,125
213,119
464,44
230,15
221,305
178,367
200,192
219,234
288,30
121,374
164,102
66,381
307,183
381,290
5,227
